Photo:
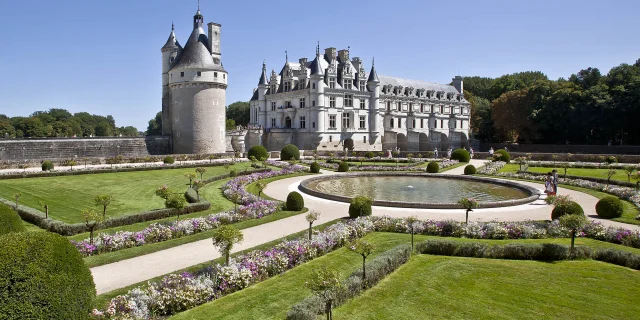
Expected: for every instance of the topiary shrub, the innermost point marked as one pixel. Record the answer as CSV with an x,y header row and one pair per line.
x,y
461,155
43,277
504,155
47,165
571,208
10,221
258,152
609,207
168,160
469,169
433,167
611,159
343,167
290,152
369,155
360,207
314,167
295,202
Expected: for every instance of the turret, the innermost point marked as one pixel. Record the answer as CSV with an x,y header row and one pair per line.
x,y
262,83
170,51
317,85
373,84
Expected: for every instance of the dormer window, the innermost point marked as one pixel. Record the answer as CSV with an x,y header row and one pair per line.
x,y
181,74
347,84
363,87
332,83
287,84
273,89
199,73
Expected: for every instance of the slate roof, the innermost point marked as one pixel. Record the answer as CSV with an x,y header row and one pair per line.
x,y
172,42
196,53
417,84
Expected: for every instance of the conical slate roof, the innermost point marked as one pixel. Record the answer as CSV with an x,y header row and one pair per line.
x,y
373,75
263,76
172,42
196,53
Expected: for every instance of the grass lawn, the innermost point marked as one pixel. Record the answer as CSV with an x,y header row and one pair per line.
x,y
430,287
271,299
620,175
453,166
132,192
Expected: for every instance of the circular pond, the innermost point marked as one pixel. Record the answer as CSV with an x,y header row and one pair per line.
x,y
419,190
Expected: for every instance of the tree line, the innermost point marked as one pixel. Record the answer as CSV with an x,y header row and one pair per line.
x,y
61,123
586,108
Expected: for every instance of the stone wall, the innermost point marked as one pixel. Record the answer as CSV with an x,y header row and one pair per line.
x,y
68,148
562,148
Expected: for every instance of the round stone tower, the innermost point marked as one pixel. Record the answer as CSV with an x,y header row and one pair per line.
x,y
197,85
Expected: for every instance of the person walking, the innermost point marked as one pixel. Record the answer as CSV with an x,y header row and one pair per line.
x,y
449,152
506,149
471,152
548,185
554,175
435,151
491,151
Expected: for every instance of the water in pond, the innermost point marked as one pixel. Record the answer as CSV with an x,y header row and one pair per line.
x,y
417,189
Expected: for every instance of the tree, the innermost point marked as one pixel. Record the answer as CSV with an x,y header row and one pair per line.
x,y
610,174
260,185
239,112
468,204
155,125
201,171
103,200
235,197
104,129
6,129
92,219
190,176
573,222
128,131
196,187
46,209
177,202
311,217
511,115
230,124
17,195
224,238
364,249
72,163
629,170
636,177
411,225
325,283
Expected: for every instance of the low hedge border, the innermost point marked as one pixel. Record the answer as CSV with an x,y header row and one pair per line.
x,y
377,269
37,217
599,180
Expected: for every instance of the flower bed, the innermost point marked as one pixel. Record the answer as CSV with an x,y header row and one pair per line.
x,y
491,168
407,167
585,165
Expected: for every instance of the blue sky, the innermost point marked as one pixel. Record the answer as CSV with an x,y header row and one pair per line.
x,y
103,57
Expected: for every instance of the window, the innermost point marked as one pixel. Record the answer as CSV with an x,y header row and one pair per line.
x,y
435,124
421,123
391,123
332,83
273,89
199,73
332,121
181,74
421,107
313,85
441,109
302,83
388,105
303,123
455,124
363,122
413,124
313,124
399,123
286,86
313,103
330,138
365,139
215,74
399,105
347,83
273,122
302,103
273,106
346,120
348,100
363,87
441,123
362,104
224,76
410,107
287,104
332,102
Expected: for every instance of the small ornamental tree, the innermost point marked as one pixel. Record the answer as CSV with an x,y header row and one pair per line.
x,y
361,159
197,185
224,238
254,161
104,201
468,204
311,217
92,219
46,209
260,185
410,157
264,161
72,163
610,174
364,249
360,207
411,225
190,176
325,283
235,197
17,195
565,166
176,202
47,165
629,170
164,192
573,222
369,155
636,177
521,161
211,158
201,172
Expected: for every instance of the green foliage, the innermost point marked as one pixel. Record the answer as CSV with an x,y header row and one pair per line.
x,y
571,207
369,155
168,160
609,207
239,113
230,124
314,167
10,221
47,165
461,155
433,167
504,155
572,221
103,200
611,159
360,207
224,238
257,152
43,276
290,152
295,202
343,166
175,201
469,169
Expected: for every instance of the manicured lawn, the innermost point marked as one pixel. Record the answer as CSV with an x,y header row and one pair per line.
x,y
132,192
620,175
272,298
436,287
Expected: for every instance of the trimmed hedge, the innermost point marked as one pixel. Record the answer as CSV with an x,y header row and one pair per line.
x,y
295,202
47,165
258,152
314,167
43,277
343,167
377,269
506,157
461,155
572,208
433,167
470,169
290,152
168,160
360,207
9,220
609,207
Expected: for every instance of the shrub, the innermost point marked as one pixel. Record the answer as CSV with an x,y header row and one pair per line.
x,y
504,155
168,160
511,251
314,167
621,258
360,207
233,173
295,202
258,152
470,169
47,165
611,159
369,155
571,207
433,167
290,152
343,167
609,207
43,277
461,155
9,220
